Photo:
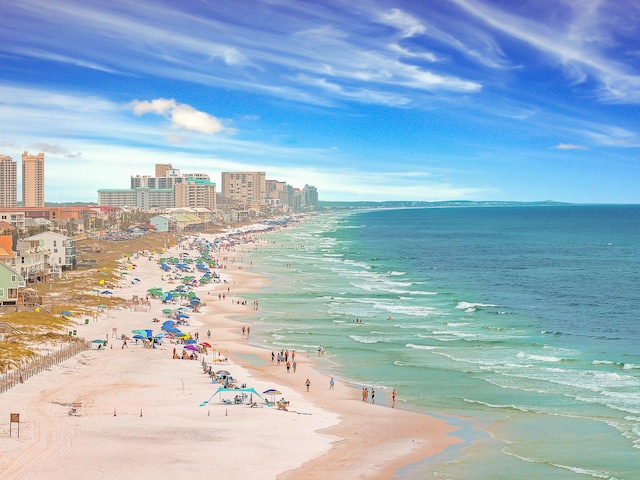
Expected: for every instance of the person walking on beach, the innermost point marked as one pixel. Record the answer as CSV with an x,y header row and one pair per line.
x,y
273,356
373,396
393,396
248,331
331,384
294,365
243,330
208,333
308,384
288,366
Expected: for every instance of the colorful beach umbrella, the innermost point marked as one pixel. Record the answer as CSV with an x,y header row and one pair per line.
x,y
272,392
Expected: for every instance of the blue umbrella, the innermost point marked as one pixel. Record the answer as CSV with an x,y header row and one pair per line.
x,y
190,341
138,337
106,292
65,312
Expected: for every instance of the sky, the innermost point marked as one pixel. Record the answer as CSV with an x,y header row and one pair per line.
x,y
376,100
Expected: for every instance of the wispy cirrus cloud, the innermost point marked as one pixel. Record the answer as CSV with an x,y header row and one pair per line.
x,y
580,41
181,44
54,150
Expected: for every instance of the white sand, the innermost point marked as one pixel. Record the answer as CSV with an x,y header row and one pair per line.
x,y
140,413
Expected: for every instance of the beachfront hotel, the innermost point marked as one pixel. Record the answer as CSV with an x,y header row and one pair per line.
x,y
32,180
8,181
168,189
246,187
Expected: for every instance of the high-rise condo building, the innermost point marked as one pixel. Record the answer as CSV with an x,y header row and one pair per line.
x,y
196,193
32,180
249,187
8,182
162,169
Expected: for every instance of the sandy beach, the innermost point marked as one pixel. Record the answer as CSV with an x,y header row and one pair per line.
x,y
136,412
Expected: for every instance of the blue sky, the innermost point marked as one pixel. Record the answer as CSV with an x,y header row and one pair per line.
x,y
369,100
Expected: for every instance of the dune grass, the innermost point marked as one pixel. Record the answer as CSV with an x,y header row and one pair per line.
x,y
44,328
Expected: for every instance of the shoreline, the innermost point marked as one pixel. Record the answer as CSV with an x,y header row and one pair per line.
x,y
418,438
331,431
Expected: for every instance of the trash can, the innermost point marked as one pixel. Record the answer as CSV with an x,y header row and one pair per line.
x,y
86,321
75,332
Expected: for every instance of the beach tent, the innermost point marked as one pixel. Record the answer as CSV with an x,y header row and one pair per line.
x,y
235,391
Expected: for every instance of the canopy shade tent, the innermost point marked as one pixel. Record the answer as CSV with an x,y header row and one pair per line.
x,y
232,390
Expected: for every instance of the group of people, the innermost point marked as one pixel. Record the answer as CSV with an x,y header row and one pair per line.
x,y
365,395
289,359
246,330
185,355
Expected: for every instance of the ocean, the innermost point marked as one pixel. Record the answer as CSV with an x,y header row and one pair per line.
x,y
518,325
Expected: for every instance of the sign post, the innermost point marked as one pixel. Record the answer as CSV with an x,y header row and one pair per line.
x,y
14,418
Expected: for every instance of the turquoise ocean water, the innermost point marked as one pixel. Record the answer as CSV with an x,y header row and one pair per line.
x,y
519,325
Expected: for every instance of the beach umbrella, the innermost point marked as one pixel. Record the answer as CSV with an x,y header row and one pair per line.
x,y
137,279
193,348
190,341
138,337
205,344
106,292
65,313
223,372
167,311
273,392
182,316
98,340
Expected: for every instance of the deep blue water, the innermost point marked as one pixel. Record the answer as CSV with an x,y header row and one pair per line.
x,y
522,321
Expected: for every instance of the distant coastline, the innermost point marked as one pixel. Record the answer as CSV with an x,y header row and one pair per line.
x,y
442,204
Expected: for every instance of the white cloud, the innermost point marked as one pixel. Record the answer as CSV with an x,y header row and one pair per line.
x,y
159,106
569,146
181,115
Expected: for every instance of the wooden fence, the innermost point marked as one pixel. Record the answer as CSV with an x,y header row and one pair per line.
x,y
14,377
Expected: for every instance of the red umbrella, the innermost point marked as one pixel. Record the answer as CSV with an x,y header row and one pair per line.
x,y
205,344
